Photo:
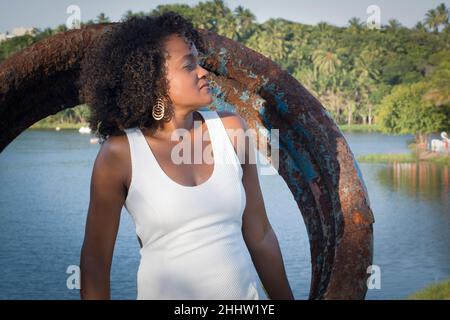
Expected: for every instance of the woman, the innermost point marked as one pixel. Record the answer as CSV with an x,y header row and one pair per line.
x,y
202,227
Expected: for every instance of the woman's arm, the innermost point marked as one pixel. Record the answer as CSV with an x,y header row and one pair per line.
x,y
259,237
107,196
261,240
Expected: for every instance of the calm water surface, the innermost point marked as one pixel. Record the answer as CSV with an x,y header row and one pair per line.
x,y
45,181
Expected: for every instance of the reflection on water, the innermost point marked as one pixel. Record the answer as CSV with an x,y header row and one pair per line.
x,y
426,181
412,226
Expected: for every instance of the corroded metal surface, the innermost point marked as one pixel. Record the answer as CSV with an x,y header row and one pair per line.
x,y
41,80
315,159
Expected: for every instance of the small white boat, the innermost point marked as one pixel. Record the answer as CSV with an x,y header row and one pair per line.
x,y
57,128
93,140
84,130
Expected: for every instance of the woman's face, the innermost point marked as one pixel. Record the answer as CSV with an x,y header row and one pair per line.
x,y
186,76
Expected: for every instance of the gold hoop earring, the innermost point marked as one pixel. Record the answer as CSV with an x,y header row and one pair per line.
x,y
158,109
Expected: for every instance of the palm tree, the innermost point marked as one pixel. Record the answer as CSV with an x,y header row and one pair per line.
x,y
325,59
324,29
393,25
334,100
355,25
270,41
308,78
102,18
365,65
129,14
442,14
420,27
215,16
245,19
432,20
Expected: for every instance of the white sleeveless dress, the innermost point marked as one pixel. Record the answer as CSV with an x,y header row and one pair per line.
x,y
192,242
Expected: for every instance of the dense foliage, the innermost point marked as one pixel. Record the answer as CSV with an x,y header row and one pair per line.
x,y
396,77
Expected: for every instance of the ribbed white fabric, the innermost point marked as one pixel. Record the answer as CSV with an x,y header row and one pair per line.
x,y
193,247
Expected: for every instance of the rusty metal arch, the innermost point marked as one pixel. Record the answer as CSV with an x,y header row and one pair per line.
x,y
314,157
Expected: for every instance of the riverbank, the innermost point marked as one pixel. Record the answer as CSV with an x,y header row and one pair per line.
x,y
70,125
359,128
422,156
52,126
435,291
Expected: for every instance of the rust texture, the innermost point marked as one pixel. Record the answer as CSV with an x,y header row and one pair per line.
x,y
314,157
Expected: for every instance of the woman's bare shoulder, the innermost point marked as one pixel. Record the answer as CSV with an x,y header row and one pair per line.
x,y
232,120
114,155
115,147
236,128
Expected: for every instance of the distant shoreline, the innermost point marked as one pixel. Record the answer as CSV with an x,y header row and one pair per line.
x,y
52,126
76,126
413,157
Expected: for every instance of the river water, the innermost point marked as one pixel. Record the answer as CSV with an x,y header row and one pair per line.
x,y
45,181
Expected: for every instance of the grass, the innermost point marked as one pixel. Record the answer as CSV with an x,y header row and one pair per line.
x,y
435,291
359,128
384,158
406,158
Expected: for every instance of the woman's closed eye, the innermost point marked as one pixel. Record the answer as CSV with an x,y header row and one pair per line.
x,y
191,66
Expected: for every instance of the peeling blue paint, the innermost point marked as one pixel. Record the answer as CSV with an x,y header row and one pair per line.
x,y
265,119
280,103
222,105
245,96
301,160
290,167
300,129
217,91
258,104
222,69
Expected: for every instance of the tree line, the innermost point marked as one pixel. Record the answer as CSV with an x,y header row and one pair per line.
x,y
393,76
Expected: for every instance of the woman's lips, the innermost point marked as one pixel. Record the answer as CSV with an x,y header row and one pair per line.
x,y
205,84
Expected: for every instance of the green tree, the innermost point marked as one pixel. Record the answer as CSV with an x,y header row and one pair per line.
x,y
215,16
432,20
420,27
102,18
404,111
129,14
355,25
326,59
438,80
393,25
245,23
11,46
442,14
270,40
438,17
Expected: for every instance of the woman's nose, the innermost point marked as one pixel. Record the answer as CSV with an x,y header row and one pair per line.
x,y
203,72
